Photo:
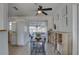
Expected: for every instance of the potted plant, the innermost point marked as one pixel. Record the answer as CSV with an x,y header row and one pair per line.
x,y
38,36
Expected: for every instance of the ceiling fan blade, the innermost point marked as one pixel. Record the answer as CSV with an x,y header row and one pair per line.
x,y
44,13
46,9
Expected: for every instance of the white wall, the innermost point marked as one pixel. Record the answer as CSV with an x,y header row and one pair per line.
x,y
3,16
20,33
75,14
60,18
74,18
78,28
3,43
3,26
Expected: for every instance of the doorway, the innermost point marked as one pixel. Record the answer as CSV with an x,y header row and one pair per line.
x,y
38,37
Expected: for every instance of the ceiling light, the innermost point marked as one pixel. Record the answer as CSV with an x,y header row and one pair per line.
x,y
39,11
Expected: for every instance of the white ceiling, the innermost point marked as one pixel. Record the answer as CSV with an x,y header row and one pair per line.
x,y
29,9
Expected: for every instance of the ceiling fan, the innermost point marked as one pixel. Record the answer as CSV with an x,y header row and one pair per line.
x,y
42,10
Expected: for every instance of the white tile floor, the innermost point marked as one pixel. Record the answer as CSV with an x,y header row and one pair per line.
x,y
50,49
25,50
19,50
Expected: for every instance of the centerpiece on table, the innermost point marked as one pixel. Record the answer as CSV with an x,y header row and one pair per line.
x,y
38,36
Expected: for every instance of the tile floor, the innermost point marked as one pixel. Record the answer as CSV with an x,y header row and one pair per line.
x,y
25,50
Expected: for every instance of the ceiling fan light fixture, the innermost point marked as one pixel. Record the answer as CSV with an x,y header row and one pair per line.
x,y
39,12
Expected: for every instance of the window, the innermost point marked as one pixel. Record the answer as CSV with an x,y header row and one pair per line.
x,y
10,25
